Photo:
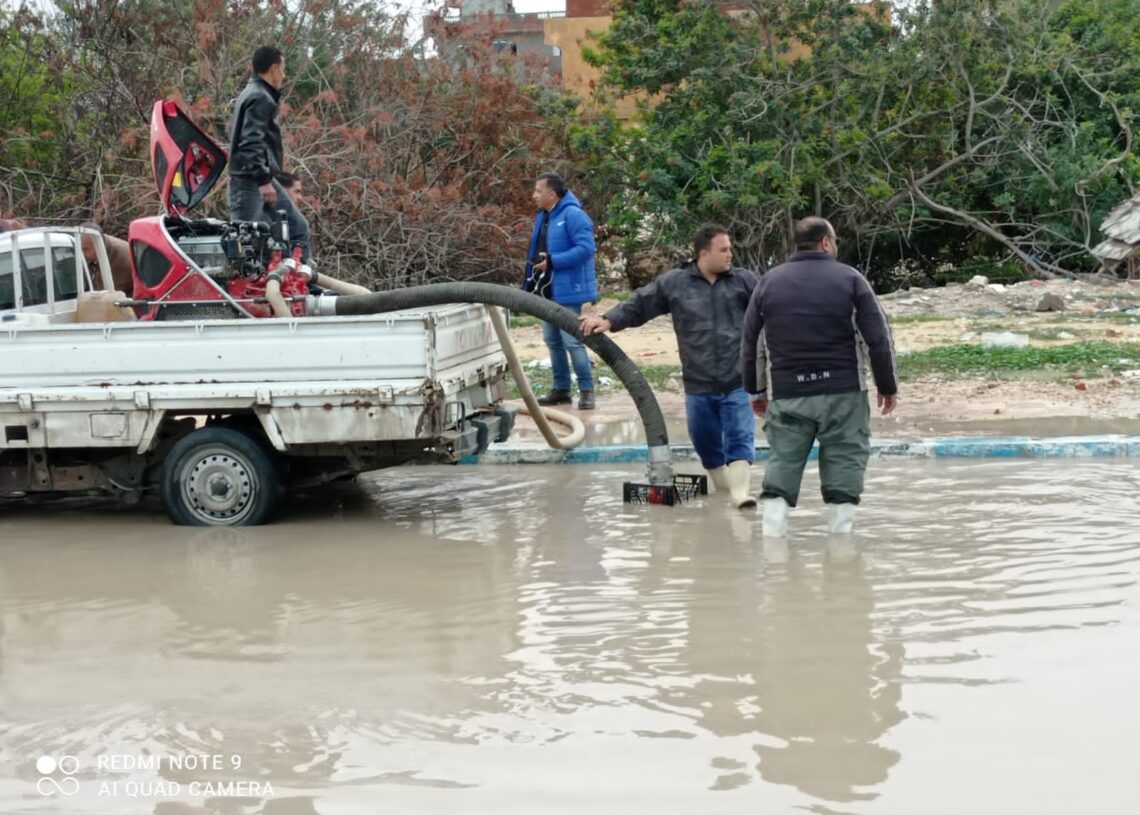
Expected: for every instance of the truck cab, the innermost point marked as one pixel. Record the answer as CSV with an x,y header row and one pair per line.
x,y
44,278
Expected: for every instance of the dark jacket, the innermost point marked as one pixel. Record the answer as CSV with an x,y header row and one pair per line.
x,y
256,148
570,252
707,319
812,326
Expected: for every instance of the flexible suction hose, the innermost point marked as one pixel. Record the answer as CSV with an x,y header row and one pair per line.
x,y
339,286
276,298
436,294
541,417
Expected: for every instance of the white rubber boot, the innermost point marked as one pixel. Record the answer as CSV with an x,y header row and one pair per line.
x,y
840,518
775,524
740,484
719,477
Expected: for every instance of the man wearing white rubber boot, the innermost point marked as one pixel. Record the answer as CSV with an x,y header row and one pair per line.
x,y
706,299
812,326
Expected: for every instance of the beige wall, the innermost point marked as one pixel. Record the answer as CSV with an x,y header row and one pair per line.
x,y
570,34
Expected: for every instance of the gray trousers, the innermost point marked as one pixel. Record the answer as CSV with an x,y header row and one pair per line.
x,y
246,205
841,422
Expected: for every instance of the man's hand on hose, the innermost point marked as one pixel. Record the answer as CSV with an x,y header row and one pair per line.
x,y
887,403
268,193
591,324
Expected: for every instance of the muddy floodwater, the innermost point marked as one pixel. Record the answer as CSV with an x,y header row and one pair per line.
x,y
514,640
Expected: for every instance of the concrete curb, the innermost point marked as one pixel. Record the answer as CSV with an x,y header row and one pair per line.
x,y
950,447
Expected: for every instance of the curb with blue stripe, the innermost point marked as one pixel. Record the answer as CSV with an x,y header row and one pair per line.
x,y
1006,447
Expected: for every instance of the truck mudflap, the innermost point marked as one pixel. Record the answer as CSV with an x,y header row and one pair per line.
x,y
479,431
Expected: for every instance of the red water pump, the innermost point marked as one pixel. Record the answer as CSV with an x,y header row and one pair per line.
x,y
206,268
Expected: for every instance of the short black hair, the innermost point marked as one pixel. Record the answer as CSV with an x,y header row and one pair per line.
x,y
285,179
810,232
704,237
265,58
554,182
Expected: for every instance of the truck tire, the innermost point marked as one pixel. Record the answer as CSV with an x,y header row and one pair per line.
x,y
219,477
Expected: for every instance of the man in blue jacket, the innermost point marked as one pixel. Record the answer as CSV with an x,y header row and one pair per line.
x,y
257,150
560,267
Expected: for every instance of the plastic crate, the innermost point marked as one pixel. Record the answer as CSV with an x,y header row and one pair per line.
x,y
684,488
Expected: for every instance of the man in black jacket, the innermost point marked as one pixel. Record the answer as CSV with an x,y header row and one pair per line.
x,y
812,326
707,298
257,151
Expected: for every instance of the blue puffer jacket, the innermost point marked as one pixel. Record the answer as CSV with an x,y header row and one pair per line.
x,y
570,245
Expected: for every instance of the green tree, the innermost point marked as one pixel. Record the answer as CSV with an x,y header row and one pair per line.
x,y
937,134
35,125
418,166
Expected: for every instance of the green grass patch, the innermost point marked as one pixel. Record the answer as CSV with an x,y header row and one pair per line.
x,y
1055,333
917,318
1118,316
994,328
620,296
974,359
540,380
524,321
657,375
1113,316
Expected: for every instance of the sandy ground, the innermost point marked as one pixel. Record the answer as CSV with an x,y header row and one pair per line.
x,y
958,404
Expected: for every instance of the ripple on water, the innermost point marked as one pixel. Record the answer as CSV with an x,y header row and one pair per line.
x,y
491,634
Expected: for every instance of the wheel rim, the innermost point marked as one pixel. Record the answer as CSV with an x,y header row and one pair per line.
x,y
218,486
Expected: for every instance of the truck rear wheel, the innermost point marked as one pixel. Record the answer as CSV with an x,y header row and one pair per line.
x,y
219,477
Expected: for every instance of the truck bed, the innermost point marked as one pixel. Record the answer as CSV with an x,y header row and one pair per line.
x,y
310,380
406,347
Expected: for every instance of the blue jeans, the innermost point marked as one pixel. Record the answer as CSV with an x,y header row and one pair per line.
x,y
560,344
722,427
246,205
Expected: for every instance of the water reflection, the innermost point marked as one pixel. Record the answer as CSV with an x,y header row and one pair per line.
x,y
781,650
413,642
826,686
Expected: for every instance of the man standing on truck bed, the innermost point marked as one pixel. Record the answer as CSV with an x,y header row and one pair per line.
x,y
257,151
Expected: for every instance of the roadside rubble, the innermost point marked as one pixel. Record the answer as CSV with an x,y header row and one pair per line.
x,y
1058,402
980,298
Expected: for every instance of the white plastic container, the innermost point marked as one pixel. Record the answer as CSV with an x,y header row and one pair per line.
x,y
1005,339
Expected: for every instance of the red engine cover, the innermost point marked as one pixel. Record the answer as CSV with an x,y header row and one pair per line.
x,y
187,164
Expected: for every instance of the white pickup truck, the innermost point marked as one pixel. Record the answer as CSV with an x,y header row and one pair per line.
x,y
221,416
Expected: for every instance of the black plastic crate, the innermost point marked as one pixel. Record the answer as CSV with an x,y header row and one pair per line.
x,y
684,488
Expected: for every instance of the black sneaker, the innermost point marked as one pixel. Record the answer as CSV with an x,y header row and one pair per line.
x,y
556,397
586,400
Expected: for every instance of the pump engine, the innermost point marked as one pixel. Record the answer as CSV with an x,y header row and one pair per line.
x,y
205,268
